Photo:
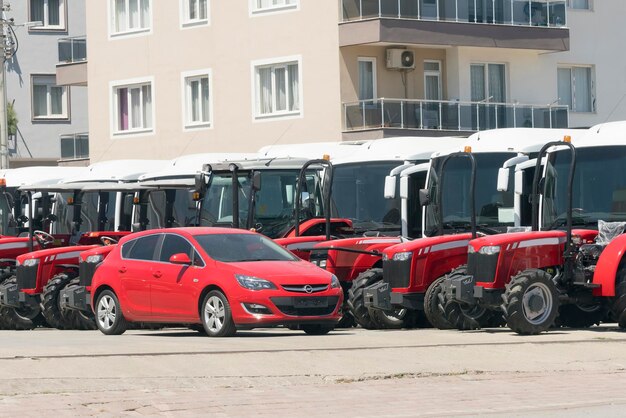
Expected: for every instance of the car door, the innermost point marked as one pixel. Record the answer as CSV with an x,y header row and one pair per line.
x,y
134,272
175,287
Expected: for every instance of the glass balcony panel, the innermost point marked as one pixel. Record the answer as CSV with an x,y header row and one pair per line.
x,y
560,118
72,49
541,117
465,10
65,51
389,8
450,116
557,13
447,10
354,116
67,148
467,118
521,15
370,9
351,10
408,9
428,9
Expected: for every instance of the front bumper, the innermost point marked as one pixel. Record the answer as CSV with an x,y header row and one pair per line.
x,y
75,297
11,296
380,296
463,289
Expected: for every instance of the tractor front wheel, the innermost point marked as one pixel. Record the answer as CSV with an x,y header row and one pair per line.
x,y
51,303
356,302
531,302
618,303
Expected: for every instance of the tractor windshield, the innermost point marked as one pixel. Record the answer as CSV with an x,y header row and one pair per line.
x,y
171,208
274,204
494,209
357,194
599,189
7,222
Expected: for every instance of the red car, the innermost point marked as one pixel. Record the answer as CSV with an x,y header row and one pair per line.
x,y
225,279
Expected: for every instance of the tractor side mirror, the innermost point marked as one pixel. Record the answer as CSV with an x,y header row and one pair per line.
x,y
404,187
503,179
424,195
519,182
256,181
390,187
180,258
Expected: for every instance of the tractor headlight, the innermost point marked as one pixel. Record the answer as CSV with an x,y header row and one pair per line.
x,y
31,262
254,283
489,250
402,256
385,257
334,282
470,249
94,258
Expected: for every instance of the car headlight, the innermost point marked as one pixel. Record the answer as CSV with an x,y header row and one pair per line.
x,y
402,256
490,250
94,258
254,283
334,282
31,262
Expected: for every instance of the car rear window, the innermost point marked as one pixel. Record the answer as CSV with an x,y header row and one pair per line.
x,y
231,248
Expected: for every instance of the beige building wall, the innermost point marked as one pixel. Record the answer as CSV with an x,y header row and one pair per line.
x,y
227,46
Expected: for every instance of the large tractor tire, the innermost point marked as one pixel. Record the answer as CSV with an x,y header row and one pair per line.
x,y
434,314
618,303
531,302
356,303
578,316
23,318
394,319
51,304
466,318
81,320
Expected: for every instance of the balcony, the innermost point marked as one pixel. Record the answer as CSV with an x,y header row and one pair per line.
x,y
523,24
434,115
72,65
74,147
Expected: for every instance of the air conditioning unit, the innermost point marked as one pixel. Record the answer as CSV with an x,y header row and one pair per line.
x,y
400,59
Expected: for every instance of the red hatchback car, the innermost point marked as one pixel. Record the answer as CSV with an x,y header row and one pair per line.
x,y
224,279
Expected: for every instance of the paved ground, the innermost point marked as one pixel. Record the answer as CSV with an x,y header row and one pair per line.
x,y
285,373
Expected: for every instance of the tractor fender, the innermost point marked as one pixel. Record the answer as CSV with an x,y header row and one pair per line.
x,y
608,264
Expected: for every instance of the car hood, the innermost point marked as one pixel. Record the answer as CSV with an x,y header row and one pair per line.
x,y
283,272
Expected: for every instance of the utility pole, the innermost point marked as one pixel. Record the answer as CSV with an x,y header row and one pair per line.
x,y
4,130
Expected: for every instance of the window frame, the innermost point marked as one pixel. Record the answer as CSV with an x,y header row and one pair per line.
x,y
61,27
66,104
589,8
128,32
257,116
187,23
282,8
155,252
114,86
485,65
592,87
194,259
371,60
189,125
433,73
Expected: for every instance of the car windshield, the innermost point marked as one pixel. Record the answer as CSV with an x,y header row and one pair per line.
x,y
358,194
231,248
599,189
494,209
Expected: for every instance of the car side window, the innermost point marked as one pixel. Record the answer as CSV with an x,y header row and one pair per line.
x,y
175,244
144,248
127,247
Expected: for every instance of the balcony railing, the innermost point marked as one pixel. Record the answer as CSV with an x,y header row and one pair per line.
x,y
72,50
547,13
451,115
74,146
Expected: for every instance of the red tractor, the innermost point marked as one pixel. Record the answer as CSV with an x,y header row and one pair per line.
x,y
569,273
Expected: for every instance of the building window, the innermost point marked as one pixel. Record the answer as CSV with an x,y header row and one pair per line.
x,y
195,12
367,78
579,4
488,83
51,14
432,80
197,91
259,6
49,100
575,85
133,108
74,146
277,89
130,16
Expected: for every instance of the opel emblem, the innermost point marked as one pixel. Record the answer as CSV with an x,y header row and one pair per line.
x,y
308,288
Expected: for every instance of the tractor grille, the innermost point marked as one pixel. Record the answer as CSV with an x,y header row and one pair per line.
x,y
86,272
397,273
482,266
27,277
306,305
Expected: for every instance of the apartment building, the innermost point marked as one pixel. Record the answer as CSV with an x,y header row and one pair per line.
x,y
52,117
176,77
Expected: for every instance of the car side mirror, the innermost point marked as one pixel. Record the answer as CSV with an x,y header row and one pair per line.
x,y
424,195
180,258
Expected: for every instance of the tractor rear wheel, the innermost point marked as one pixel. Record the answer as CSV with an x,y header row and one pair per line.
x,y
22,318
56,316
580,316
434,314
356,303
618,303
531,302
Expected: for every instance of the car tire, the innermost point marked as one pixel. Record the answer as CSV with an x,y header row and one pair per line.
x,y
216,315
109,317
50,303
316,329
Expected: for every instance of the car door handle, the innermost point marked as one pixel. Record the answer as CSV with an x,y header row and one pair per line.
x,y
157,274
122,270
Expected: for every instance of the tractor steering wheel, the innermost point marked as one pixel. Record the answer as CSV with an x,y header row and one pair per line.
x,y
43,238
107,240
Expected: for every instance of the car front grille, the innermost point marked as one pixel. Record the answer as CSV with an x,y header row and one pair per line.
x,y
397,273
287,305
305,288
482,266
